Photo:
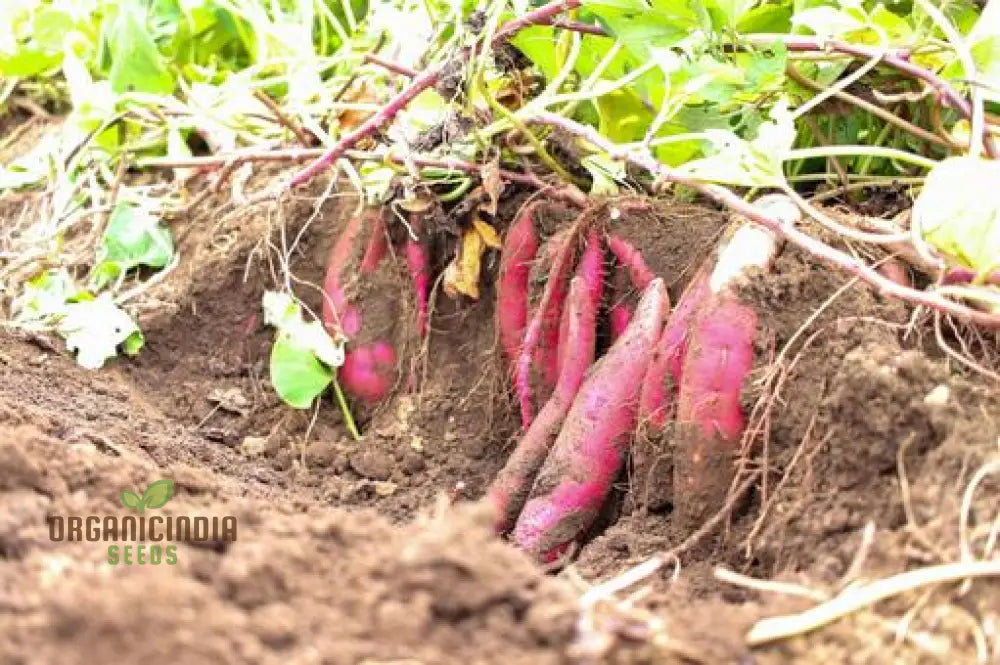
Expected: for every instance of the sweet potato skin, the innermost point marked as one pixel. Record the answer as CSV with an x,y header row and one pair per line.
x,y
369,369
538,357
652,457
419,268
659,386
588,453
518,252
632,260
718,359
511,487
590,270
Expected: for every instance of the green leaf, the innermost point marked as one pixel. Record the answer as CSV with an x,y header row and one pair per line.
x,y
958,211
130,500
537,43
766,19
284,313
136,64
302,354
134,237
158,493
44,298
623,116
739,162
296,374
628,5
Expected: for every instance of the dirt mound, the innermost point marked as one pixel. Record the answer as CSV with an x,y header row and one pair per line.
x,y
302,582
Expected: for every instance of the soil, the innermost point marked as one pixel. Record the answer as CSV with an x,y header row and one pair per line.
x,y
864,436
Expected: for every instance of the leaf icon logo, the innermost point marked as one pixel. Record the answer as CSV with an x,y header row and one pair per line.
x,y
155,496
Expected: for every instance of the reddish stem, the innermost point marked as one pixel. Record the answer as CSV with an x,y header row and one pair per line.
x,y
645,160
538,16
394,67
369,127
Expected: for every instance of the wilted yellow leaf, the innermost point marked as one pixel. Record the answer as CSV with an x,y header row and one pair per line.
x,y
462,274
488,233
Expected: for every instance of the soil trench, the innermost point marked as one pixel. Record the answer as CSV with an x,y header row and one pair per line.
x,y
376,551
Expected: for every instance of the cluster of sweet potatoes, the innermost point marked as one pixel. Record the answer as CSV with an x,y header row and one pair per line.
x,y
581,405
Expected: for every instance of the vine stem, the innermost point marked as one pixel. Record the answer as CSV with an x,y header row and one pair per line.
x,y
417,85
898,59
645,160
865,105
541,16
368,127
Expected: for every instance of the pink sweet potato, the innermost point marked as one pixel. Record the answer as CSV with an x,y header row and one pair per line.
x,y
658,393
652,478
588,453
369,368
591,270
718,359
631,259
513,484
518,252
538,357
416,262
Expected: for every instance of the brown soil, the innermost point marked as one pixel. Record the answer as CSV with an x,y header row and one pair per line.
x,y
355,552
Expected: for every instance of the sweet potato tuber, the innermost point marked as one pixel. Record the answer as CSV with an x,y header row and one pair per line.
x,y
591,270
587,455
718,359
416,262
652,478
512,485
369,369
516,257
538,357
631,259
658,391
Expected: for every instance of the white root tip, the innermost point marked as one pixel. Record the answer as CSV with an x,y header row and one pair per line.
x,y
752,245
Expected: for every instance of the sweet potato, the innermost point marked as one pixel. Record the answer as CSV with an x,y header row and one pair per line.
x,y
369,368
512,485
664,373
631,259
652,478
718,359
416,262
538,358
587,455
518,252
591,270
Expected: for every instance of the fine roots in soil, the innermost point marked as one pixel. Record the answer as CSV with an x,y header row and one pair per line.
x,y
862,524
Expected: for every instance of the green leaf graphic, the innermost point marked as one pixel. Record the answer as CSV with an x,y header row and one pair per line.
x,y
158,493
130,500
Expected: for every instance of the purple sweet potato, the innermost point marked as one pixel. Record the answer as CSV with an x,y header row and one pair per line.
x,y
588,453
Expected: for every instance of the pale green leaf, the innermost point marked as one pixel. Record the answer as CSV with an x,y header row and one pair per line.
x,y
296,374
958,211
